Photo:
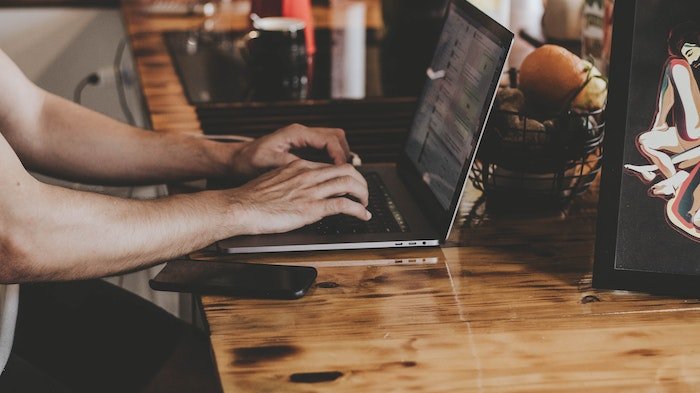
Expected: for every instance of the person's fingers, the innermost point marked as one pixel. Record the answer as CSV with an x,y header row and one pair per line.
x,y
345,206
340,135
336,136
331,143
322,174
301,165
330,139
341,186
288,172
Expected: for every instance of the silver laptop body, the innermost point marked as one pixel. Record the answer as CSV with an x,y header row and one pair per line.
x,y
427,182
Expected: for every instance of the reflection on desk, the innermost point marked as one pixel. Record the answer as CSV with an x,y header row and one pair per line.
x,y
395,257
509,309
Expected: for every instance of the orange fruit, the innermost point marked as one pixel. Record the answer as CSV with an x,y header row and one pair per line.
x,y
550,76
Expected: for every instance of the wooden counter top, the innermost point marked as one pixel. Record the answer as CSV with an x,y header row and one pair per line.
x,y
60,3
165,98
506,306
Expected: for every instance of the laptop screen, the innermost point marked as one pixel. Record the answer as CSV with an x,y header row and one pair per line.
x,y
461,82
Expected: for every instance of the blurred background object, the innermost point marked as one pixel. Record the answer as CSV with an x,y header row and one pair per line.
x,y
561,20
349,49
497,9
596,34
300,9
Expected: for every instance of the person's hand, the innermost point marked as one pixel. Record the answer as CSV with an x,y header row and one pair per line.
x,y
295,195
274,150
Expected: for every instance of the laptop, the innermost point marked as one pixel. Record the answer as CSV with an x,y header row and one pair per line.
x,y
414,201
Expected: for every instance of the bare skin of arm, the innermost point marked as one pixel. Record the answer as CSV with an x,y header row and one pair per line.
x,y
57,137
52,233
665,104
687,88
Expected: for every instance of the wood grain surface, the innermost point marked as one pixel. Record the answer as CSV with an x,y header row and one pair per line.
x,y
505,306
60,3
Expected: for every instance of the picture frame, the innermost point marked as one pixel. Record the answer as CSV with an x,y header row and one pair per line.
x,y
648,226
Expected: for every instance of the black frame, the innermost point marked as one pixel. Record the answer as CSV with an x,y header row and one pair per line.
x,y
441,218
605,275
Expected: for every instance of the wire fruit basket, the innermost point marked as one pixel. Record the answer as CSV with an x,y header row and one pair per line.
x,y
538,161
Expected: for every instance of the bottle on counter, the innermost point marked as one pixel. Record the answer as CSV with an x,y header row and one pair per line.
x,y
596,32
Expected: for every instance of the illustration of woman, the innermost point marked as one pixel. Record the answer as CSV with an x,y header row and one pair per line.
x,y
674,149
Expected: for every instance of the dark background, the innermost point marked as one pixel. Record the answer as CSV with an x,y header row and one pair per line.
x,y
646,241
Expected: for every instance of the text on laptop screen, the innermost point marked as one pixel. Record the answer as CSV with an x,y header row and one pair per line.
x,y
455,102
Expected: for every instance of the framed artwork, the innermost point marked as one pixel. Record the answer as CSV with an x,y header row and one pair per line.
x,y
648,232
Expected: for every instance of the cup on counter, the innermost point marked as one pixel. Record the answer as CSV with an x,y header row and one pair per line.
x,y
299,9
277,58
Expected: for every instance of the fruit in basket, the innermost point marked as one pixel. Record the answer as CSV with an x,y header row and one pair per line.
x,y
517,127
543,140
595,93
510,99
551,75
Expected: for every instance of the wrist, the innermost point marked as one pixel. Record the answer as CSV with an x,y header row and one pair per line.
x,y
233,213
225,158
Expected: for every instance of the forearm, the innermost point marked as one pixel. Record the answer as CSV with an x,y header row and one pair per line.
x,y
665,104
75,143
59,234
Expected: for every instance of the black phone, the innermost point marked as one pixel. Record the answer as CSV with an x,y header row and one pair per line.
x,y
238,279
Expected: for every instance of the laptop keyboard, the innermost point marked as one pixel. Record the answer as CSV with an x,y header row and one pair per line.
x,y
386,217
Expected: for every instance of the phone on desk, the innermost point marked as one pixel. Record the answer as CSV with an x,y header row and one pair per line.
x,y
238,279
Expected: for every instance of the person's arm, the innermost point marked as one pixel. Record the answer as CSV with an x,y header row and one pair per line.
x,y
664,105
688,92
52,233
54,136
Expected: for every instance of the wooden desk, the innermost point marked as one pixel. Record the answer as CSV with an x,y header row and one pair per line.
x,y
506,306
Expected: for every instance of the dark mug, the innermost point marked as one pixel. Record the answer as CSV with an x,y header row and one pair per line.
x,y
277,59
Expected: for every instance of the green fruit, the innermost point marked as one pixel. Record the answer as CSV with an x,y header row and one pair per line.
x,y
594,93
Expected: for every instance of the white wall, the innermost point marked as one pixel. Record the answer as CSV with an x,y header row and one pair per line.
x,y
56,48
35,37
